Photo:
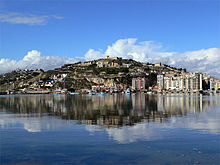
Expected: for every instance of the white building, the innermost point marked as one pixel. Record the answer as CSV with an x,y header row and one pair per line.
x,y
160,81
192,81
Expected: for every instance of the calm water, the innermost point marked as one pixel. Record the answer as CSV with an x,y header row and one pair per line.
x,y
119,129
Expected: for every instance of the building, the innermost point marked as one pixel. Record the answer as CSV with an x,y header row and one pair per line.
x,y
138,83
112,58
159,64
126,65
86,63
160,81
99,64
185,82
167,82
114,64
212,84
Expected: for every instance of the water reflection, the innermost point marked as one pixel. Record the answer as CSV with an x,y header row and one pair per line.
x,y
207,123
112,111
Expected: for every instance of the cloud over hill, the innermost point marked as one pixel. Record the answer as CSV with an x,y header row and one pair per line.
x,y
204,60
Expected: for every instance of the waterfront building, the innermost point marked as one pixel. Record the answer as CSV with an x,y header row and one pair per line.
x,y
217,84
212,84
200,81
160,81
167,82
185,82
138,83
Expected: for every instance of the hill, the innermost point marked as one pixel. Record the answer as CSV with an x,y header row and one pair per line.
x,y
108,72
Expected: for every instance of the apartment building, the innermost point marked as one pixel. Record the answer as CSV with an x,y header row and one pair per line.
x,y
138,83
189,82
160,81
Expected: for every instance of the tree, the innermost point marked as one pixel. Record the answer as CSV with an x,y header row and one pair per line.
x,y
152,79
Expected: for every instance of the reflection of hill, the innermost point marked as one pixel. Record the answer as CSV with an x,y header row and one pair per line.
x,y
111,110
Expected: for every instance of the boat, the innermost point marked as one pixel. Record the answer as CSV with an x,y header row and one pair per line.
x,y
57,92
3,93
92,93
128,92
101,94
74,93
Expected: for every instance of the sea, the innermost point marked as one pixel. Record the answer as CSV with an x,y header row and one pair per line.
x,y
112,129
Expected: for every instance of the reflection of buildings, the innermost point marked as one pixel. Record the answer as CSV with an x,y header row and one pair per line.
x,y
111,110
180,105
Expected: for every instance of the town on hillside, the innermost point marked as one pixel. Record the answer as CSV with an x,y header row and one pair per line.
x,y
110,74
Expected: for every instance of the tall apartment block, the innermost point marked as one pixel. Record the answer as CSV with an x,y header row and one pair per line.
x,y
138,83
188,82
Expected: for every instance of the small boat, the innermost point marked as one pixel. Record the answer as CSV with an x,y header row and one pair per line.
x,y
3,93
92,93
74,93
128,92
56,93
101,94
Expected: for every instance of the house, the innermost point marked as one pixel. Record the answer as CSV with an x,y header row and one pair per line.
x,y
99,64
86,63
114,64
126,65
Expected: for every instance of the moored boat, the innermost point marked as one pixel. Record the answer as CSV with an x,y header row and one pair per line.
x,y
74,93
92,93
3,93
101,94
128,92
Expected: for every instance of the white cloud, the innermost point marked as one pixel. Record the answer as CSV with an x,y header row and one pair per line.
x,y
29,19
33,123
205,123
204,60
93,55
143,131
34,60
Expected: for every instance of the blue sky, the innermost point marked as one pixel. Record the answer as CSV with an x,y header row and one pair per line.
x,y
71,28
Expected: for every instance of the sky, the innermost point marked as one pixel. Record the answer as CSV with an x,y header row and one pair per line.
x,y
49,33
